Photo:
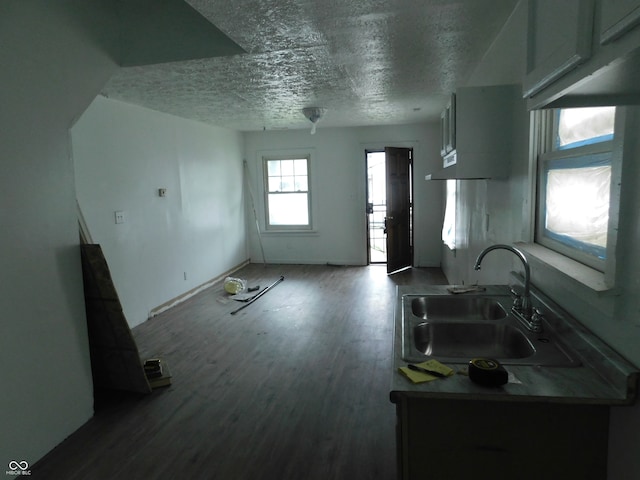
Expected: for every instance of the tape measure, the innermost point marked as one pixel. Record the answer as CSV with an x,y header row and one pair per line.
x,y
488,372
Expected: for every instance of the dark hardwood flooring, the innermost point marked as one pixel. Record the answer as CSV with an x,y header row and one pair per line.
x,y
295,386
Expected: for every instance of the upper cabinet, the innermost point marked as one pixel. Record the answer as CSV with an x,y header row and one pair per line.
x,y
558,40
618,17
582,53
478,127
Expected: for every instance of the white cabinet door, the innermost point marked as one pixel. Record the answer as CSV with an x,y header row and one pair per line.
x,y
618,17
559,35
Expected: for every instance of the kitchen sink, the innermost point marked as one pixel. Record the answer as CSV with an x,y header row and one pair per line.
x,y
457,328
444,307
447,339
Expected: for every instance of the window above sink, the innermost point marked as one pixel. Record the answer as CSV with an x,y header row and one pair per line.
x,y
579,165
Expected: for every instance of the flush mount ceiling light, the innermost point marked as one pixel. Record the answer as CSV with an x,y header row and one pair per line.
x,y
314,114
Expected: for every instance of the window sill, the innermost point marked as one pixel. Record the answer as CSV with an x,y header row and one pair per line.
x,y
289,232
578,272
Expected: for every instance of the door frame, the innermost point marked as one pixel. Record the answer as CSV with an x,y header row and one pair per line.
x,y
380,147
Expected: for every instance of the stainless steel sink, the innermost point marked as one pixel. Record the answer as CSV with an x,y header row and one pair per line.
x,y
445,339
457,328
471,308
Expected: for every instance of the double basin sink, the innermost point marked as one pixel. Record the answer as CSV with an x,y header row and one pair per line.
x,y
457,328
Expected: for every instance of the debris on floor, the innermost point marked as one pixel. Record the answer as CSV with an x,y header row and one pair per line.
x,y
157,372
234,285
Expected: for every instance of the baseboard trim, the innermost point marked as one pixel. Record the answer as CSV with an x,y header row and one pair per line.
x,y
187,295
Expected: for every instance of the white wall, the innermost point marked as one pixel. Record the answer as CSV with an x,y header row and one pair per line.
x,y
123,154
338,176
615,318
51,70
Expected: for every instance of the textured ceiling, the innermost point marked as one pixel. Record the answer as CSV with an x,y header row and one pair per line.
x,y
368,62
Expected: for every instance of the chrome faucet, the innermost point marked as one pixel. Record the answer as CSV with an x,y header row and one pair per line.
x,y
522,309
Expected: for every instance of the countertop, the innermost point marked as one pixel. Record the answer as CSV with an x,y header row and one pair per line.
x,y
603,378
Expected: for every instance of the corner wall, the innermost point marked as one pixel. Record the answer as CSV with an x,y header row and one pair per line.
x,y
123,154
53,65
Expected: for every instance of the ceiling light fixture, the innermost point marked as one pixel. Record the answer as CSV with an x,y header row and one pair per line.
x,y
314,114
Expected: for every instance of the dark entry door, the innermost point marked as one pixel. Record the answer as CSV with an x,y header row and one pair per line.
x,y
398,219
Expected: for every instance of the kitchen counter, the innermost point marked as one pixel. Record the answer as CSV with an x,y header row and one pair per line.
x,y
546,422
603,378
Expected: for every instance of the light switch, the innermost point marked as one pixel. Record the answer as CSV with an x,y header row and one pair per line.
x,y
119,216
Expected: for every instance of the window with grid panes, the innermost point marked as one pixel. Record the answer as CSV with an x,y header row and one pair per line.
x,y
287,192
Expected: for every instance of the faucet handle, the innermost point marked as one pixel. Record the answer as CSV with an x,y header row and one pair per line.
x,y
518,300
536,320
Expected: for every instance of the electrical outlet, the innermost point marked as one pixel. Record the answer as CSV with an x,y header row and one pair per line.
x,y
119,216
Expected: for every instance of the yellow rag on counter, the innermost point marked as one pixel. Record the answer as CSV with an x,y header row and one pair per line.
x,y
419,377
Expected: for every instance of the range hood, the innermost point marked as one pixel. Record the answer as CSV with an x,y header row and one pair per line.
x,y
485,125
475,166
451,173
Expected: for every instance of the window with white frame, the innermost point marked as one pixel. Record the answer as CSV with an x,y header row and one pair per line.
x,y
287,193
575,184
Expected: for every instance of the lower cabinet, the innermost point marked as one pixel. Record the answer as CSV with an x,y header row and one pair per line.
x,y
442,439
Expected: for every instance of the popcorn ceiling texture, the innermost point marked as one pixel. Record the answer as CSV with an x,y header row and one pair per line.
x,y
368,62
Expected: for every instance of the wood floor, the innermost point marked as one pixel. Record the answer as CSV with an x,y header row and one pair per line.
x,y
295,386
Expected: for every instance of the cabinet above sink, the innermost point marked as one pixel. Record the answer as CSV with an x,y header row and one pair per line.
x,y
582,53
478,128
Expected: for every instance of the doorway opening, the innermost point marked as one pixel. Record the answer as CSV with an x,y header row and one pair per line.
x,y
376,207
390,207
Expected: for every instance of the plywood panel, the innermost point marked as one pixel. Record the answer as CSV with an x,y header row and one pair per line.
x,y
115,360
